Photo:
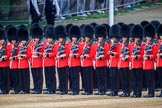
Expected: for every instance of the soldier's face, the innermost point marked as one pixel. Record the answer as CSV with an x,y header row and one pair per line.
x,y
23,41
74,39
148,39
60,39
87,39
36,39
136,39
114,39
13,41
124,39
160,37
2,41
100,39
49,40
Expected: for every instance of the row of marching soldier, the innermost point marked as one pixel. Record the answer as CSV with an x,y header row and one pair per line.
x,y
106,57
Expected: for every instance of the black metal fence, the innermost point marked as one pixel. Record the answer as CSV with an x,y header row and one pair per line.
x,y
19,13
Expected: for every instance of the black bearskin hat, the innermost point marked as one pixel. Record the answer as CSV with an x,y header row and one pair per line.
x,y
22,33
124,31
120,23
159,31
2,33
74,31
100,31
88,31
137,31
156,24
114,31
93,24
81,26
149,31
49,32
107,28
67,28
144,23
11,33
60,31
36,31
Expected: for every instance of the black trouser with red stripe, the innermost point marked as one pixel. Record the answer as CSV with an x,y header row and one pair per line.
x,y
37,79
15,76
63,79
74,76
24,80
50,78
87,77
137,81
114,79
102,79
4,79
125,80
150,81
160,77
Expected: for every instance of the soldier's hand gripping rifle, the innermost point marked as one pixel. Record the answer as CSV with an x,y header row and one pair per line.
x,y
75,48
61,49
23,49
100,49
49,47
136,49
3,50
113,46
148,49
87,48
38,46
14,49
125,50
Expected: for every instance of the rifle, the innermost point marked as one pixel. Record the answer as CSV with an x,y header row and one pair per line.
x,y
15,48
38,45
125,50
49,47
100,49
148,48
23,48
114,45
3,50
62,47
75,47
87,48
136,49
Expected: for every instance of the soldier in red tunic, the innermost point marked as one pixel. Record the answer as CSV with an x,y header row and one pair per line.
x,y
150,51
101,50
159,58
14,73
49,62
24,54
74,58
123,64
4,62
87,59
36,58
136,57
114,58
62,56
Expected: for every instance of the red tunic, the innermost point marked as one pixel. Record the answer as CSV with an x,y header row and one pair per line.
x,y
149,64
75,61
88,60
63,62
6,62
114,60
51,59
36,61
103,61
23,63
